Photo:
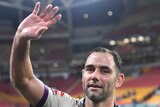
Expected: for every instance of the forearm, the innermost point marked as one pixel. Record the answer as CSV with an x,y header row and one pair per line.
x,y
21,72
20,65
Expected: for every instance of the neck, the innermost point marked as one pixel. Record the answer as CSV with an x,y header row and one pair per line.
x,y
109,102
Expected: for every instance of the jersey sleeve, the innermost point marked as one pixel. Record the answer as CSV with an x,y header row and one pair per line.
x,y
55,98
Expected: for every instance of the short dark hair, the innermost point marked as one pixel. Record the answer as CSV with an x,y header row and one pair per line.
x,y
116,57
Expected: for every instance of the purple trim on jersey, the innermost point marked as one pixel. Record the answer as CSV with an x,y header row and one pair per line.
x,y
44,97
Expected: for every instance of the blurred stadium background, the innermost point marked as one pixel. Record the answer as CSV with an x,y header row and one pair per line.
x,y
131,27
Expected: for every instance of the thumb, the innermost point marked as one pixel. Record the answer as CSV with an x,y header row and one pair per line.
x,y
41,30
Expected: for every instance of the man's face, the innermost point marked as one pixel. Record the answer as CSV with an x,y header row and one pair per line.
x,y
99,76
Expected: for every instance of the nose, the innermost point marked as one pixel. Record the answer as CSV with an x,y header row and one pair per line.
x,y
95,75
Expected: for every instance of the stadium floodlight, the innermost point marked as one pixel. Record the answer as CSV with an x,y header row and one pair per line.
x,y
85,16
110,13
126,40
147,39
133,39
112,42
141,38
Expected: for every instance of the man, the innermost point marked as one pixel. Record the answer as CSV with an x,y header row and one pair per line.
x,y
100,76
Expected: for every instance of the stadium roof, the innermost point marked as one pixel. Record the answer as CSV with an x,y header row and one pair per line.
x,y
77,13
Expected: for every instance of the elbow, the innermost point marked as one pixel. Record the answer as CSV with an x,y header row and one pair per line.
x,y
19,84
17,80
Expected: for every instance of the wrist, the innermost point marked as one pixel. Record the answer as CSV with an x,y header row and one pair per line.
x,y
20,39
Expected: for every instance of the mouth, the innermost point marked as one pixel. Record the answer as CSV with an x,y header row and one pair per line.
x,y
94,86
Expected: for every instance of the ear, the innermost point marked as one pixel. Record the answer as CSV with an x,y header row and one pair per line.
x,y
120,79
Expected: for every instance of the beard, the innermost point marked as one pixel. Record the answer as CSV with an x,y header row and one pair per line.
x,y
100,94
95,97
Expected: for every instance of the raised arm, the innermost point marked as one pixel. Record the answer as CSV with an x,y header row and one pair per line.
x,y
21,72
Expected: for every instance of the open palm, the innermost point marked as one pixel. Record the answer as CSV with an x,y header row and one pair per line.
x,y
34,25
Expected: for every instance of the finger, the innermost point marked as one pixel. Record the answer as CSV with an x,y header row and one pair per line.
x,y
54,20
58,17
36,8
46,10
51,13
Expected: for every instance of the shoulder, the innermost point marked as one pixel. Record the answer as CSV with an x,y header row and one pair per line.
x,y
56,97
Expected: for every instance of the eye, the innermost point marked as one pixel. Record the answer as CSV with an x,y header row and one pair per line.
x,y
89,69
105,70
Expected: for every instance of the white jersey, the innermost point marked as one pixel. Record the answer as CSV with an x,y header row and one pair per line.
x,y
55,98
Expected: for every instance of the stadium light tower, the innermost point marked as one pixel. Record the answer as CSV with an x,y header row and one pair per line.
x,y
68,5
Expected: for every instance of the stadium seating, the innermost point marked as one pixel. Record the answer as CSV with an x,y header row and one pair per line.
x,y
141,88
7,88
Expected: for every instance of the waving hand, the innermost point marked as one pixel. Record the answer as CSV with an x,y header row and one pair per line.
x,y
34,25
